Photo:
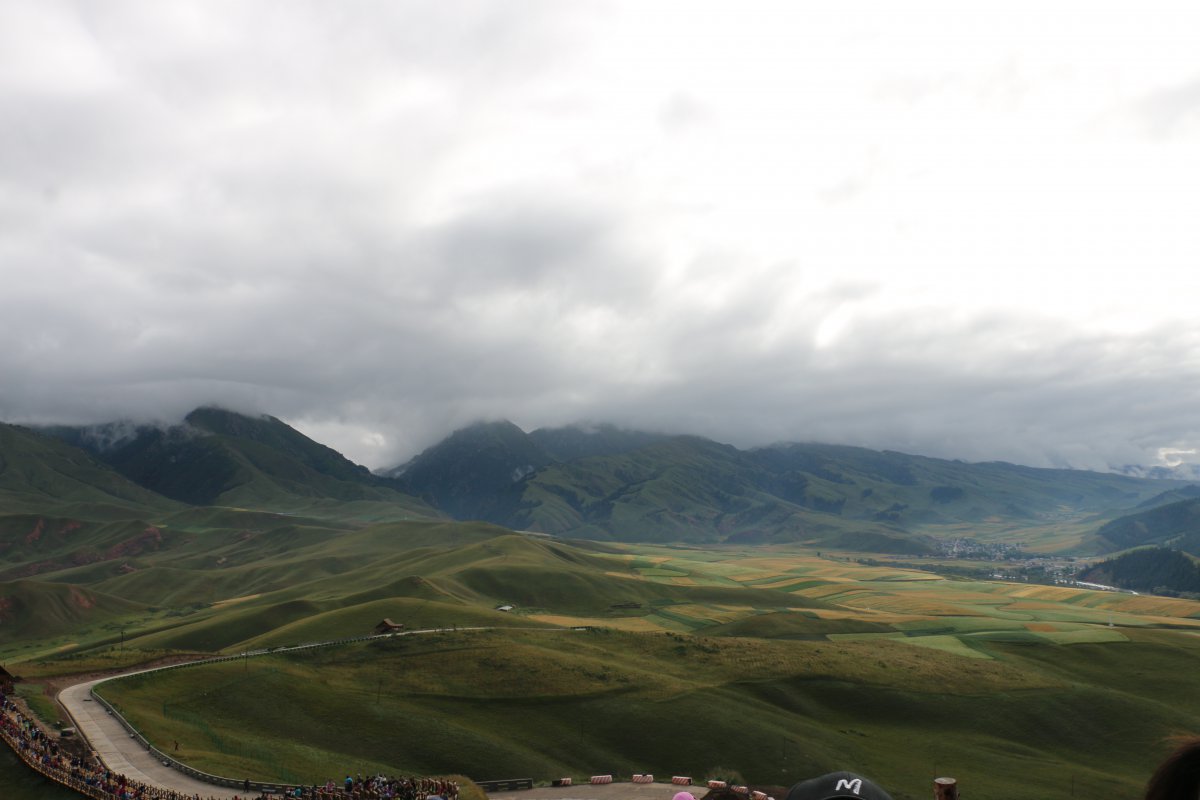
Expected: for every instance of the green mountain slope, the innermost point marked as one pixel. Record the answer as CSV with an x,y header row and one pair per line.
x,y
39,472
36,609
1174,525
219,457
602,483
1149,569
476,472
573,442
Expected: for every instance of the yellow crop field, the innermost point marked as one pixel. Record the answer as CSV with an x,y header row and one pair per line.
x,y
1057,593
715,613
783,583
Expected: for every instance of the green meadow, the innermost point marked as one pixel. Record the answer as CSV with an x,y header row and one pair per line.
x,y
778,662
1007,714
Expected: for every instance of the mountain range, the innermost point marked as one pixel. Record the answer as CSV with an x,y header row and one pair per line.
x,y
596,482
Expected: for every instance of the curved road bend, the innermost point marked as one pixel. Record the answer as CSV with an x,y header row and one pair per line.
x,y
121,753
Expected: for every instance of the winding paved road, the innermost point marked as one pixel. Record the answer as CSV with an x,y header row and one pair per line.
x,y
122,753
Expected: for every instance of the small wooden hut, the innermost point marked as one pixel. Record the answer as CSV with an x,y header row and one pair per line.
x,y
387,626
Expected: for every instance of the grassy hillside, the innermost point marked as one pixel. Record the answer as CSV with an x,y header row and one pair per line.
x,y
607,484
272,579
38,473
1149,569
219,457
475,473
37,609
1054,718
1175,524
776,661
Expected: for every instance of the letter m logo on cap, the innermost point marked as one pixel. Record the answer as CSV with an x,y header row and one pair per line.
x,y
854,785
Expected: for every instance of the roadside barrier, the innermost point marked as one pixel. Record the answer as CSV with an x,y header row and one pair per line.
x,y
510,785
643,779
259,786
717,785
561,782
681,780
757,795
601,779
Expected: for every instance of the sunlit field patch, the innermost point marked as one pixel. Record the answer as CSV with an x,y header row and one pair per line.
x,y
786,583
946,644
714,613
619,623
1087,636
234,600
658,572
1041,627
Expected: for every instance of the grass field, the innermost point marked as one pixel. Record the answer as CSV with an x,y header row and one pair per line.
x,y
1011,713
773,661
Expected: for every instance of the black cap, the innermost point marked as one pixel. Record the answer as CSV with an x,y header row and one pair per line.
x,y
837,785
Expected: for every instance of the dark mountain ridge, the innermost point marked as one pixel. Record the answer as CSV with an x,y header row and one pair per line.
x,y
1149,569
220,457
1175,525
604,483
39,471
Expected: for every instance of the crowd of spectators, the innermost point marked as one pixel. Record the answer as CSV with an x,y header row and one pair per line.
x,y
88,777
380,787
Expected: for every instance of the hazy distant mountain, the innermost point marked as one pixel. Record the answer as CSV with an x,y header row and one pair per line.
x,y
1184,471
219,457
1174,495
476,472
602,482
1174,525
583,441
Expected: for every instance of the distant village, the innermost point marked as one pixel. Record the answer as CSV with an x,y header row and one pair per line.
x,y
1001,561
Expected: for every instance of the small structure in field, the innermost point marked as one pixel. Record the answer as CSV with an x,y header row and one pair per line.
x,y
387,626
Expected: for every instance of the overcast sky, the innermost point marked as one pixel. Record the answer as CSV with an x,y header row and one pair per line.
x,y
968,230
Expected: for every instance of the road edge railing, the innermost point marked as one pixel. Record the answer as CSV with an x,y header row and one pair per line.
x,y
263,786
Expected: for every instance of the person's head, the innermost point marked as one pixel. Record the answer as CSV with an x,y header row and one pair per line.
x,y
684,796
837,785
1179,775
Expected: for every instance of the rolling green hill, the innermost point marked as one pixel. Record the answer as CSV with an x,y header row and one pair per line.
x,y
1070,720
38,609
771,660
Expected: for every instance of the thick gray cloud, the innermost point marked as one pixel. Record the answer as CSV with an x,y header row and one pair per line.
x,y
383,220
